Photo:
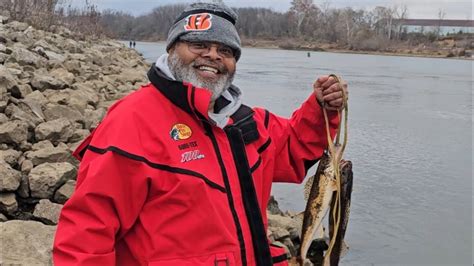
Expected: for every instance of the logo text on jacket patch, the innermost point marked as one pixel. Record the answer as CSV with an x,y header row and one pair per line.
x,y
184,146
198,22
180,132
191,156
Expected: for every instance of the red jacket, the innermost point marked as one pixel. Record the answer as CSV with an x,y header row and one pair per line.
x,y
158,184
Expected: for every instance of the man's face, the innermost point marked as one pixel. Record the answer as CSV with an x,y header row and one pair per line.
x,y
203,64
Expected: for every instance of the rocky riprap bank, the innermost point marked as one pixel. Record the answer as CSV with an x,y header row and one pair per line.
x,y
54,88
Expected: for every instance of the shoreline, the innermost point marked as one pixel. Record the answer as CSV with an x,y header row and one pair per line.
x,y
345,51
325,47
265,45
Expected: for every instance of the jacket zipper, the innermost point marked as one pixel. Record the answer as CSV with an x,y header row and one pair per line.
x,y
240,236
249,196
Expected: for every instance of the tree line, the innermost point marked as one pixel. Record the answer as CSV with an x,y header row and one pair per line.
x,y
304,21
44,14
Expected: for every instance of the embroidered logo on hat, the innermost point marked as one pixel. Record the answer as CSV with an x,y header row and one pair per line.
x,y
180,132
198,22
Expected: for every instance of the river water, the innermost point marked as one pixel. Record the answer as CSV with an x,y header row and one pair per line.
x,y
410,142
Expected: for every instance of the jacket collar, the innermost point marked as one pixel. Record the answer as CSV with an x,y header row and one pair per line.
x,y
192,100
195,101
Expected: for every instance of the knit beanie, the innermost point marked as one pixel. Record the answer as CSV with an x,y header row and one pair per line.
x,y
211,22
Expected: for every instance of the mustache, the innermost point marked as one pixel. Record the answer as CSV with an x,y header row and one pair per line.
x,y
200,62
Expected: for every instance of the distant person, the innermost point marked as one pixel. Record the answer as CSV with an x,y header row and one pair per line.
x,y
131,43
134,43
180,171
309,54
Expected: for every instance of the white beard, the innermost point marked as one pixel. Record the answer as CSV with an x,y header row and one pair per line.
x,y
183,72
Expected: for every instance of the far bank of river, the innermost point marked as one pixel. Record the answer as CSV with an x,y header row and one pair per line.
x,y
447,49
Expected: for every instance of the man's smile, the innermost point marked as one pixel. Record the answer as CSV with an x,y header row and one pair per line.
x,y
208,71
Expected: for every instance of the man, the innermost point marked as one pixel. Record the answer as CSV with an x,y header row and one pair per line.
x,y
180,171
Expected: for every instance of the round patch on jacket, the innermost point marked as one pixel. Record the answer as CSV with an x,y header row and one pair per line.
x,y
180,132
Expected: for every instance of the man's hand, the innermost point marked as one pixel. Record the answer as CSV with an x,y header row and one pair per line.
x,y
329,92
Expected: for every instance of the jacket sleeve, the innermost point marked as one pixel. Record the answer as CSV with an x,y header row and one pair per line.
x,y
110,192
299,141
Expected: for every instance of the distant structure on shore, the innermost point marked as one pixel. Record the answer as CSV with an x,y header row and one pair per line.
x,y
444,26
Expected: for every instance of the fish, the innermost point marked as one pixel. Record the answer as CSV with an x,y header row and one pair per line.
x,y
340,247
329,190
321,190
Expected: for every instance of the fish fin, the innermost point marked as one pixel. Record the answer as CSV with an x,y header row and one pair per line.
x,y
307,187
344,249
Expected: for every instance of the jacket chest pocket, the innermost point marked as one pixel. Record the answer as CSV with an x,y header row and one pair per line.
x,y
218,259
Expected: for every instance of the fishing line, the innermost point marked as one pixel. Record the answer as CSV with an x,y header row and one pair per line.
x,y
336,159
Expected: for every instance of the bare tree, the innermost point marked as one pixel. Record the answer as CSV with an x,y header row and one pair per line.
x,y
301,10
402,14
383,17
441,15
390,16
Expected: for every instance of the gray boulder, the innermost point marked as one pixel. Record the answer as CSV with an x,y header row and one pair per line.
x,y
74,66
83,95
43,82
3,118
23,57
65,192
59,130
10,156
46,45
281,221
3,57
21,91
44,179
47,211
17,26
50,155
56,111
54,56
9,177
7,82
64,75
23,113
13,132
272,206
42,145
26,166
37,97
279,233
71,46
79,135
58,97
93,117
29,243
8,202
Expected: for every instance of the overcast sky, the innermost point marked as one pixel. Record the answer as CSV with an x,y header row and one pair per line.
x,y
454,9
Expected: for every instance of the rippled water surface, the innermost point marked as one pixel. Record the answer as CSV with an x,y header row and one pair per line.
x,y
410,141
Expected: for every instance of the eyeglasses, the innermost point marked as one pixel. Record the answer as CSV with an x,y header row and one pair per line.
x,y
204,47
